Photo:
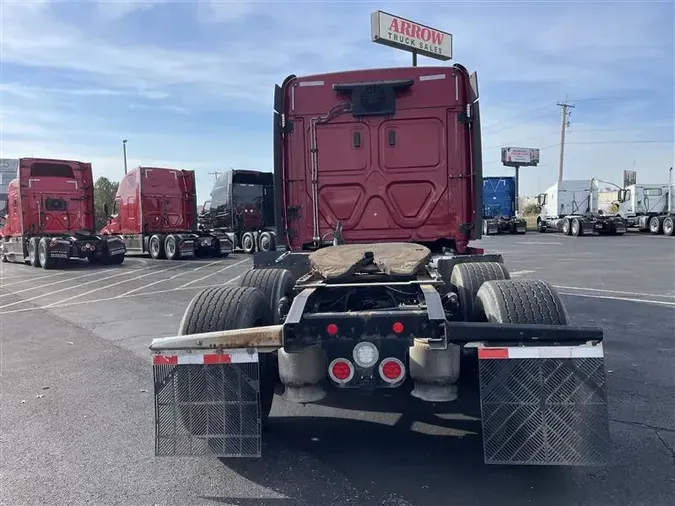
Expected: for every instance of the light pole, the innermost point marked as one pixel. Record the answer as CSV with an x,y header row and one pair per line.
x,y
124,149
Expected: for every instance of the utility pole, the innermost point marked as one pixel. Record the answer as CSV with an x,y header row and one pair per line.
x,y
124,149
215,174
563,126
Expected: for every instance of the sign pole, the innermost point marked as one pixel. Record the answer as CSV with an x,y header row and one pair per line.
x,y
414,58
517,209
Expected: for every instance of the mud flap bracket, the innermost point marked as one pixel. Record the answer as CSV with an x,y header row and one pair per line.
x,y
207,403
544,405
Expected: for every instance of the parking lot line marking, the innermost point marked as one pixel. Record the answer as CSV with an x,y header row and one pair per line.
x,y
639,294
629,299
133,271
98,271
216,272
28,278
539,242
151,273
168,279
106,299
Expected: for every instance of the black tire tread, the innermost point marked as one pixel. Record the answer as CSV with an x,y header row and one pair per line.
x,y
467,278
225,308
273,283
521,301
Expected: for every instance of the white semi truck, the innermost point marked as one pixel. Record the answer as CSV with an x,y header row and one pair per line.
x,y
572,207
649,206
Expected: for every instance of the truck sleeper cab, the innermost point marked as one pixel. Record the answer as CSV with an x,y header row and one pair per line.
x,y
242,207
649,207
155,212
499,207
572,208
50,216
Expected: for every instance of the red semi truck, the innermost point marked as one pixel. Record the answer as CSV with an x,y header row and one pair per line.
x,y
50,216
378,180
155,212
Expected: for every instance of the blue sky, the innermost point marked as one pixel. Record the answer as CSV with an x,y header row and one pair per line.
x,y
190,83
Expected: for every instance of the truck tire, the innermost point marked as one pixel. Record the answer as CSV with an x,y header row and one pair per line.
x,y
33,258
267,242
486,230
668,226
467,278
524,301
156,247
171,249
46,261
566,227
655,225
576,227
277,286
541,228
248,242
226,308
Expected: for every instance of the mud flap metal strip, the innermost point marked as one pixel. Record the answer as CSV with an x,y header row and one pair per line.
x,y
207,403
544,405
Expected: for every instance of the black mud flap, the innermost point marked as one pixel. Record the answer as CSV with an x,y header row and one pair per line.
x,y
207,404
544,405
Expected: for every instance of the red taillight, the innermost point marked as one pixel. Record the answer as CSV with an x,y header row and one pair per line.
x,y
392,370
332,329
341,370
397,327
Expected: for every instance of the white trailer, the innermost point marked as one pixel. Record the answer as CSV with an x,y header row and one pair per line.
x,y
649,206
572,207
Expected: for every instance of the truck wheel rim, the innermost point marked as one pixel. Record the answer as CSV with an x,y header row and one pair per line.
x,y
264,243
42,255
247,242
154,245
170,247
668,227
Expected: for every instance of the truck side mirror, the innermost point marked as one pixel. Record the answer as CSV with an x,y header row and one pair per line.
x,y
541,199
106,211
622,195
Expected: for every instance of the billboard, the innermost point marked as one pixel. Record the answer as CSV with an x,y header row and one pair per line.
x,y
521,157
629,177
401,33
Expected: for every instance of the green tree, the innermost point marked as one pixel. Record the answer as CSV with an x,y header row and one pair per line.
x,y
104,195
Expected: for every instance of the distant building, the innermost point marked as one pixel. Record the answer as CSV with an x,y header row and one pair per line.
x,y
8,170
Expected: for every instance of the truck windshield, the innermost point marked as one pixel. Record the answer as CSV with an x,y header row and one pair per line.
x,y
247,194
44,169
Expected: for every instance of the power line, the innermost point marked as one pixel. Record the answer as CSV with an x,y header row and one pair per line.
x,y
215,174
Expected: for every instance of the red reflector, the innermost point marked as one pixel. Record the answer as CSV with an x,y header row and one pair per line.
x,y
493,353
165,359
391,370
397,327
332,329
341,370
217,358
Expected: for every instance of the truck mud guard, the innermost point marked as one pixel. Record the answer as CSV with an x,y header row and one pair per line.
x,y
544,405
189,421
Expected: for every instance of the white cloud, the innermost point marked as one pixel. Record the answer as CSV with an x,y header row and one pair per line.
x,y
117,9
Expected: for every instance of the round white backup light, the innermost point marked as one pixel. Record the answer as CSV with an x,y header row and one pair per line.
x,y
366,354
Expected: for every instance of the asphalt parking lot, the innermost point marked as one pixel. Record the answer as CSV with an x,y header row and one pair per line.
x,y
77,408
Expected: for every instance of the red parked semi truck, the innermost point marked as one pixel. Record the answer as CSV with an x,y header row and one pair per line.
x,y
155,212
50,216
378,178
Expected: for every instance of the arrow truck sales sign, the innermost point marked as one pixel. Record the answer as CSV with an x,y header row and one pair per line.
x,y
407,35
